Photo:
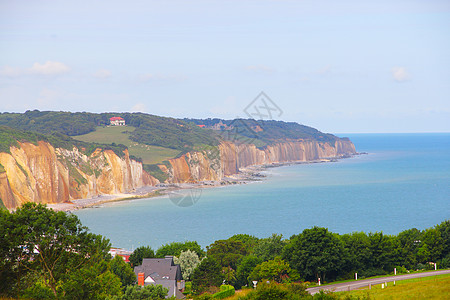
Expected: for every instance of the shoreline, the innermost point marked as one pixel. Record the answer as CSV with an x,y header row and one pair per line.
x,y
246,175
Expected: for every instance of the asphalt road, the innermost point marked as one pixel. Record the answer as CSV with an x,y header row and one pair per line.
x,y
353,285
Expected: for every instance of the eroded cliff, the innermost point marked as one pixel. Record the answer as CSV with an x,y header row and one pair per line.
x,y
228,158
44,174
40,173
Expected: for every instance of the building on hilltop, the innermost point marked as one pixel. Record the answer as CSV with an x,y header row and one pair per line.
x,y
116,121
161,271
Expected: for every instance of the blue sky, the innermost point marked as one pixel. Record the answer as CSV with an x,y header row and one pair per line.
x,y
339,66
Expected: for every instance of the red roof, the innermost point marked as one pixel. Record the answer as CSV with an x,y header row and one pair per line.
x,y
201,125
115,118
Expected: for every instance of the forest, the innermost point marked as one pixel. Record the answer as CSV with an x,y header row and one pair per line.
x,y
46,254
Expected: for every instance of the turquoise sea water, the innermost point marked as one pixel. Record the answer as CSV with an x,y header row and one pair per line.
x,y
403,182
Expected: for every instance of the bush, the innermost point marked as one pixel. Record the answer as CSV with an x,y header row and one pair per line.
x,y
225,291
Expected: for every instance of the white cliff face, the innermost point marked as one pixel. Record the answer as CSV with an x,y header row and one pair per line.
x,y
201,166
40,173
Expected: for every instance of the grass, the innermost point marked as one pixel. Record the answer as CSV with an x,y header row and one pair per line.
x,y
120,135
435,287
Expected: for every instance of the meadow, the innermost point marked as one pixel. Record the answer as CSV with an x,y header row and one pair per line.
x,y
120,135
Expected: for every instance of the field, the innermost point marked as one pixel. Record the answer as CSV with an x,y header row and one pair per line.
x,y
119,135
436,287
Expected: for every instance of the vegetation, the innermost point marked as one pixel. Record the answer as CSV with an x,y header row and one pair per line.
x,y
121,135
433,287
188,261
176,248
49,255
139,254
10,136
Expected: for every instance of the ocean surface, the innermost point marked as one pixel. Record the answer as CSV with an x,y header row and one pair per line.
x,y
403,182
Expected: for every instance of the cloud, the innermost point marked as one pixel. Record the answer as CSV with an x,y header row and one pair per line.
x,y
400,74
10,71
260,68
139,107
48,68
102,74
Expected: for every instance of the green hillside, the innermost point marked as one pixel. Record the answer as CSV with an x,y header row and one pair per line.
x,y
121,135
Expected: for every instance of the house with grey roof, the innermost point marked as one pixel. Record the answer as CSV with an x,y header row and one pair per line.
x,y
161,271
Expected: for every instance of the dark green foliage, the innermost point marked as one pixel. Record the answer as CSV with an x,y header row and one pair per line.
x,y
227,252
176,248
268,248
10,136
148,292
123,270
249,241
2,169
315,253
139,254
274,270
64,246
172,133
207,274
444,229
94,281
246,266
272,132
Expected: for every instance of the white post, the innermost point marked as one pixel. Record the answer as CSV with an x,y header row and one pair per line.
x,y
382,285
319,281
394,282
435,266
370,286
395,271
356,276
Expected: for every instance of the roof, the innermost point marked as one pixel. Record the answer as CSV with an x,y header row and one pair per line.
x,y
115,118
162,271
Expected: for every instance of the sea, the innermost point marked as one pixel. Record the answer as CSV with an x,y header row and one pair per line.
x,y
402,182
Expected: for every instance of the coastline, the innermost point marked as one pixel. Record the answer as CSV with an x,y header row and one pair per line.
x,y
246,175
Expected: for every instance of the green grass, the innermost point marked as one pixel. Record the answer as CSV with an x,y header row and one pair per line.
x,y
120,135
2,169
434,287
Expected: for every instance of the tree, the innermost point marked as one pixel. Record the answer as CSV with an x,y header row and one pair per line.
x,y
226,252
315,253
188,261
207,274
382,248
123,271
276,269
268,248
91,282
408,242
244,269
139,254
249,241
147,292
176,248
444,229
357,246
46,244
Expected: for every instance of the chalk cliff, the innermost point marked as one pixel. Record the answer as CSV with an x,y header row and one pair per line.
x,y
44,174
40,173
215,163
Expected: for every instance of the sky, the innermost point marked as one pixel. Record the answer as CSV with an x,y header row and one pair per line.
x,y
343,66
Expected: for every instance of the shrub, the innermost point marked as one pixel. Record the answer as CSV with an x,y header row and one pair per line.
x,y
225,291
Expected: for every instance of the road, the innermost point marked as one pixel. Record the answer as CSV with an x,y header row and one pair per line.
x,y
353,285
